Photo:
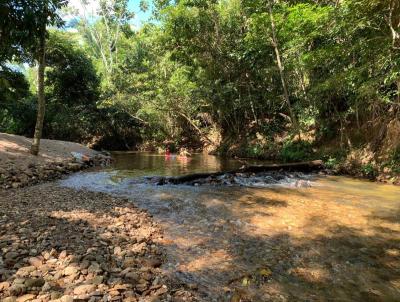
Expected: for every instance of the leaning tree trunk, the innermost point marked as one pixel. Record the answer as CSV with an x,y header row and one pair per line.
x,y
281,68
41,100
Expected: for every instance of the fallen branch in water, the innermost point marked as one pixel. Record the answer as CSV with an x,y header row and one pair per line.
x,y
308,166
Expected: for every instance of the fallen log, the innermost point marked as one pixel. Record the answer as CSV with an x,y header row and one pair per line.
x,y
307,166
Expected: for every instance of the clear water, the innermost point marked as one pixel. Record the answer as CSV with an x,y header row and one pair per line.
x,y
150,164
135,168
338,240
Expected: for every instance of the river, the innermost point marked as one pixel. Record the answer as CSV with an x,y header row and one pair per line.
x,y
336,239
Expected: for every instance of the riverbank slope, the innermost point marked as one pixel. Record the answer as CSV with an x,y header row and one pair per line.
x,y
370,151
19,168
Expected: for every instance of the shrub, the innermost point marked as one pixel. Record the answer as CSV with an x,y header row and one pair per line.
x,y
368,170
394,162
254,151
331,162
396,155
296,151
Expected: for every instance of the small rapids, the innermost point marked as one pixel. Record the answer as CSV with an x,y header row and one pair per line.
x,y
112,182
265,180
253,233
255,180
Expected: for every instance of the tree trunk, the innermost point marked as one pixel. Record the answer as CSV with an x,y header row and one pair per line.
x,y
394,23
307,166
41,101
398,92
202,135
281,67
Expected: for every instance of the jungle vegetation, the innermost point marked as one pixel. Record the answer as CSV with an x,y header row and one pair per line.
x,y
258,78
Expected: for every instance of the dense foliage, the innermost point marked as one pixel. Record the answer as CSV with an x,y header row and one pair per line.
x,y
260,77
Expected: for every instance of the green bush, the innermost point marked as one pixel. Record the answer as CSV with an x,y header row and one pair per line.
x,y
368,170
396,155
394,162
17,105
296,151
331,162
254,151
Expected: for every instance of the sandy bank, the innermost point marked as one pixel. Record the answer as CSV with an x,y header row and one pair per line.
x,y
19,168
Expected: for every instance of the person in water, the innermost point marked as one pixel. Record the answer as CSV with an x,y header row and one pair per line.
x,y
183,152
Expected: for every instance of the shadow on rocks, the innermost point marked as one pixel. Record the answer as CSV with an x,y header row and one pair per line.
x,y
64,245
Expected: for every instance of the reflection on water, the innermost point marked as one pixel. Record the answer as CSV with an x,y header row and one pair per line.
x,y
148,164
336,241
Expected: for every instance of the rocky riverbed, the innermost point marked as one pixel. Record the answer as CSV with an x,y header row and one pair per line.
x,y
59,244
13,176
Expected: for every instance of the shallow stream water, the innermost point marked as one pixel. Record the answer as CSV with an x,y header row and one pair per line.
x,y
335,240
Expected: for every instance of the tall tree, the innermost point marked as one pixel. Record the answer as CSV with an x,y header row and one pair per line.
x,y
41,61
103,30
23,37
279,62
48,11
